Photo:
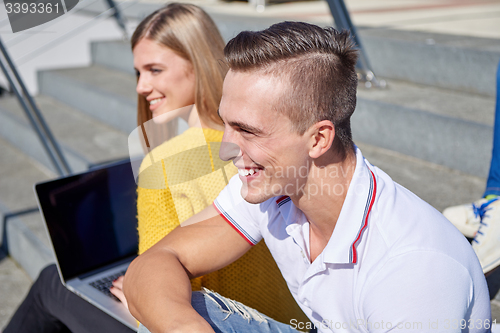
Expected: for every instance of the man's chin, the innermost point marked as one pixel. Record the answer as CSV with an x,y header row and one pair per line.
x,y
254,201
253,198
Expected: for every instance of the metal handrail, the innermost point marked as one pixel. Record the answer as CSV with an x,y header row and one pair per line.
x,y
120,19
343,21
34,115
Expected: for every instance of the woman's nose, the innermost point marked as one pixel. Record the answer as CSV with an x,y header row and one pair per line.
x,y
143,87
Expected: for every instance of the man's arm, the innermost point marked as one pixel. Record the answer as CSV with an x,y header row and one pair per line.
x,y
157,284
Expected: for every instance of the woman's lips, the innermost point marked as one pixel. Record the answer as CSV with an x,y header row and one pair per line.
x,y
155,103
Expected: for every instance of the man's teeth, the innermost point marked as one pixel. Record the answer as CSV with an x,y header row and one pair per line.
x,y
154,101
247,172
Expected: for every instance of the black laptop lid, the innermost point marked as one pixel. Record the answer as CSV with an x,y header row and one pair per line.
x,y
91,218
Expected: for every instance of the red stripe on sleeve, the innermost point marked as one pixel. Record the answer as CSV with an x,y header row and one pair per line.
x,y
232,225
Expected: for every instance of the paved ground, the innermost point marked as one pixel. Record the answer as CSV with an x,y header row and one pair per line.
x,y
14,285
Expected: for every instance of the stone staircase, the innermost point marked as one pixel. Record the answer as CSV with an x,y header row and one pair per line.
x,y
430,129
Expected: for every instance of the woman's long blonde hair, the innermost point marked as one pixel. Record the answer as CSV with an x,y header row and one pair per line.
x,y
192,34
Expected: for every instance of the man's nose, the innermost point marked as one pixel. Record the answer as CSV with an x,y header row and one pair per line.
x,y
228,151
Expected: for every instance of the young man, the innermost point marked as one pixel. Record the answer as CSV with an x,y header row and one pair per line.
x,y
359,252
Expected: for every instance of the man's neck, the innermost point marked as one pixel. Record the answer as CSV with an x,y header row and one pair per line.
x,y
322,199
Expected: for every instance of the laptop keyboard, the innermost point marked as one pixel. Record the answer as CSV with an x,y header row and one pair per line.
x,y
105,283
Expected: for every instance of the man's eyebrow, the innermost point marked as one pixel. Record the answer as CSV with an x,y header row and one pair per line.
x,y
242,126
246,127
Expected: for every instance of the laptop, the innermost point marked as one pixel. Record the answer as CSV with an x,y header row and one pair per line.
x,y
91,220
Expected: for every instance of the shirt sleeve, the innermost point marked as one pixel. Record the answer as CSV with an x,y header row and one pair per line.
x,y
244,217
422,291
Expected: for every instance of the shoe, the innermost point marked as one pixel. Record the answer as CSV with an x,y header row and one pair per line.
x,y
486,242
467,218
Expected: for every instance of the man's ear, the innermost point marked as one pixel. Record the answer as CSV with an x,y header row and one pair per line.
x,y
321,138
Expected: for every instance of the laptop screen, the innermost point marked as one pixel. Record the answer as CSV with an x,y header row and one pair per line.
x,y
91,218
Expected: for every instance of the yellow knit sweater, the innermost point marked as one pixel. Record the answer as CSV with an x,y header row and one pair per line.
x,y
195,176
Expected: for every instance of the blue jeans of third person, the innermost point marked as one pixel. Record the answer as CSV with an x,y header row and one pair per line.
x,y
228,316
493,183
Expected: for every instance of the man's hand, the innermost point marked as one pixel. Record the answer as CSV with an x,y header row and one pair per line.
x,y
157,283
117,290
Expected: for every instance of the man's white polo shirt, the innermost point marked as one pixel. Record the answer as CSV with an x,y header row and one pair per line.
x,y
392,263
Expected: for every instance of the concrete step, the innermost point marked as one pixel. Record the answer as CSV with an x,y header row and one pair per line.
x,y
445,127
84,140
23,237
462,63
102,93
14,285
113,54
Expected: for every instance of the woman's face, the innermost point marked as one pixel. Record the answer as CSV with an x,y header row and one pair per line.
x,y
165,79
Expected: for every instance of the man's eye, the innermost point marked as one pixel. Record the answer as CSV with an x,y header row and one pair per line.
x,y
245,131
155,70
137,74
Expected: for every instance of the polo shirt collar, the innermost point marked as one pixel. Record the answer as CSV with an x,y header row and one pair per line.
x,y
295,220
352,222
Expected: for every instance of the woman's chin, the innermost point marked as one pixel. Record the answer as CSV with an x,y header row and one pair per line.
x,y
164,116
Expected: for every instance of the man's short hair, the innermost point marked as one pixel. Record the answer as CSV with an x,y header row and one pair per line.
x,y
319,66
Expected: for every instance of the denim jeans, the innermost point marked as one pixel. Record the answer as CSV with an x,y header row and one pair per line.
x,y
228,316
493,183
